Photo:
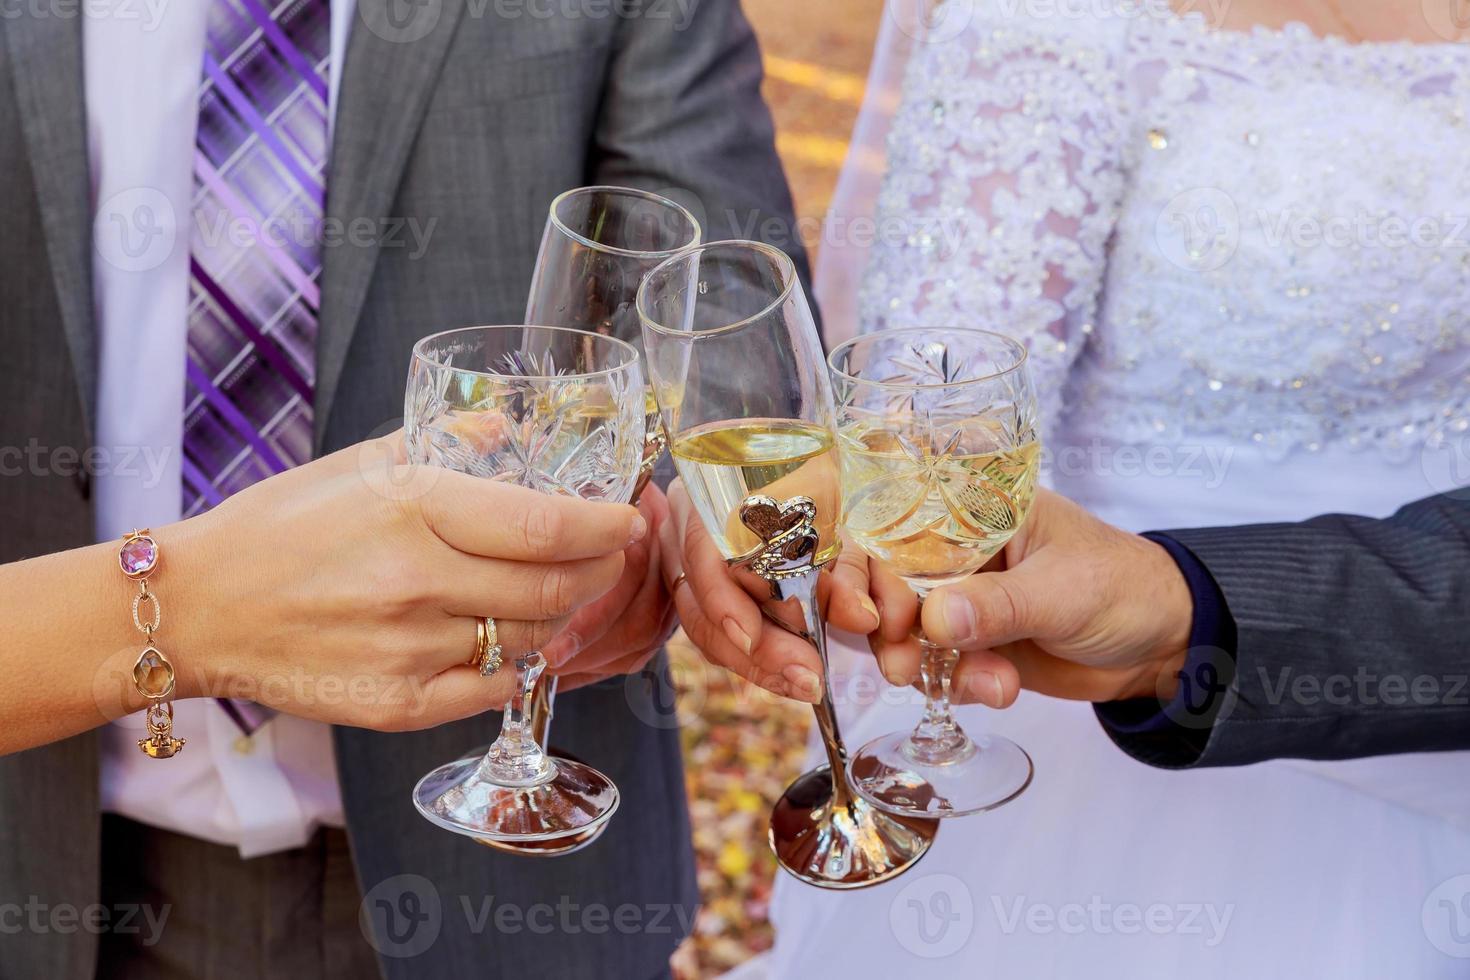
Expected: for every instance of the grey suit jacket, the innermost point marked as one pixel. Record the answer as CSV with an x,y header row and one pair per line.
x,y
1352,639
470,115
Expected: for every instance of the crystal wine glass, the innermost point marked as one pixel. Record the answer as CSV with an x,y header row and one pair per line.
x,y
562,412
598,245
737,368
936,431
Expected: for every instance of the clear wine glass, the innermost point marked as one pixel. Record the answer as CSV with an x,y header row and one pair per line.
x,y
737,368
562,412
936,432
598,245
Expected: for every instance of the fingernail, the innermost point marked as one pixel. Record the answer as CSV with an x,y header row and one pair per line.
x,y
959,618
737,635
870,609
774,685
985,688
804,684
562,648
638,531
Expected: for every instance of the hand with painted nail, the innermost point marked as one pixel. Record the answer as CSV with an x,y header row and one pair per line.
x,y
620,633
724,620
1072,608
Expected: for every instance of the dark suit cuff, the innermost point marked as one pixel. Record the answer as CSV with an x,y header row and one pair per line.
x,y
1174,734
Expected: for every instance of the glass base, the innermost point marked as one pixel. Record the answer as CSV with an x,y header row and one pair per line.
x,y
907,778
575,802
546,848
842,847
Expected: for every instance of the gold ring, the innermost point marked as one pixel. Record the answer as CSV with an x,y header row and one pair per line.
x,y
679,580
487,659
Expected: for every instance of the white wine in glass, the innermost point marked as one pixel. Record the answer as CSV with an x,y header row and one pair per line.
x,y
939,456
933,517
598,244
737,366
725,462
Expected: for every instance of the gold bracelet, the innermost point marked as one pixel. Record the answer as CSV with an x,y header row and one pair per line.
x,y
153,673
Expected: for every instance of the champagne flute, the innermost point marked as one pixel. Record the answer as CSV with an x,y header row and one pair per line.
x,y
560,411
936,430
598,245
737,368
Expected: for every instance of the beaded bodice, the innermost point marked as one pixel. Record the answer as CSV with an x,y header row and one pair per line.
x,y
1262,237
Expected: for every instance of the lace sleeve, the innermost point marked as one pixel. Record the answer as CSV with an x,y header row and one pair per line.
x,y
1003,185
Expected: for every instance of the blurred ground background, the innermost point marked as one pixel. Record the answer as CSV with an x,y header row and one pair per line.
x,y
742,746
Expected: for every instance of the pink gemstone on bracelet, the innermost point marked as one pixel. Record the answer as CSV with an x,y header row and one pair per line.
x,y
138,555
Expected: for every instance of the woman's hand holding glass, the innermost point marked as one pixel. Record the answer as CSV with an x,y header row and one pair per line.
x,y
725,622
359,574
620,632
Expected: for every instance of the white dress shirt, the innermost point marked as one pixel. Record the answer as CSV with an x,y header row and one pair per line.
x,y
271,791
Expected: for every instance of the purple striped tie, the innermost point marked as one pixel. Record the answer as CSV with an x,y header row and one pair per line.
x,y
255,253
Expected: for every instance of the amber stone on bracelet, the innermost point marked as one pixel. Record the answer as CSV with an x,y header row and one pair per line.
x,y
153,674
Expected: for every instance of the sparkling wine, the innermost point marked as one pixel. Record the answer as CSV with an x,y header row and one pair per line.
x,y
934,514
724,462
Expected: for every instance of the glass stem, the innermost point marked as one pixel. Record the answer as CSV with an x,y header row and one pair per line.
x,y
543,706
938,738
803,589
516,758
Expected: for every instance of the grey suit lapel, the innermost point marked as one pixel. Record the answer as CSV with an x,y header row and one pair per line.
x,y
46,61
393,59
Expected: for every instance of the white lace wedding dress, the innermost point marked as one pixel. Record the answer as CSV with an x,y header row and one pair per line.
x,y
1241,262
